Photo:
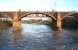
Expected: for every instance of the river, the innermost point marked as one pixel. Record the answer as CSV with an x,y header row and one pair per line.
x,y
38,37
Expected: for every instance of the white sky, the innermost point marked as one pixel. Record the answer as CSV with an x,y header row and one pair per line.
x,y
13,5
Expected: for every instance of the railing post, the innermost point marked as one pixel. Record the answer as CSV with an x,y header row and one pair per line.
x,y
59,22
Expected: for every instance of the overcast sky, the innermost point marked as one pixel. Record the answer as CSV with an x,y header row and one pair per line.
x,y
61,5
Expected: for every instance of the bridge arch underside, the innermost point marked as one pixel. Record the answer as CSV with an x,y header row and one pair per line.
x,y
70,16
47,15
53,22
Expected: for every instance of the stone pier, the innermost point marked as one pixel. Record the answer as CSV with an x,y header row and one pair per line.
x,y
59,22
16,22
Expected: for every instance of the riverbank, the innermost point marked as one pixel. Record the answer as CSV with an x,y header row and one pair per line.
x,y
70,23
4,24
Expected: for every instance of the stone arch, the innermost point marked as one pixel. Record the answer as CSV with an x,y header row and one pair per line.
x,y
71,14
47,14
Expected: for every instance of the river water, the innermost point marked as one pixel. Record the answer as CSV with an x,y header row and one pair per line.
x,y
38,37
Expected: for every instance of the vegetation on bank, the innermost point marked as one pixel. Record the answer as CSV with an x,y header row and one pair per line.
x,y
71,23
5,23
39,21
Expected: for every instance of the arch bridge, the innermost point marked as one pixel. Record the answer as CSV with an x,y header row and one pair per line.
x,y
18,15
36,12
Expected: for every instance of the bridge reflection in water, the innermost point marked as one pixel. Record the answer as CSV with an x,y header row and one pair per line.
x,y
37,37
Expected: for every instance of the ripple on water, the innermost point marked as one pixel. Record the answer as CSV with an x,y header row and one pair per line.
x,y
38,37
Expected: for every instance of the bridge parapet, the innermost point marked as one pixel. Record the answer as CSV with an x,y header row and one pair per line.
x,y
49,13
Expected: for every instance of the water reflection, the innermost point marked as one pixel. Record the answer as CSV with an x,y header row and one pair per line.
x,y
5,37
38,37
16,36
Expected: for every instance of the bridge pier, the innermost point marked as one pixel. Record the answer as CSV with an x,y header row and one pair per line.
x,y
59,22
16,22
